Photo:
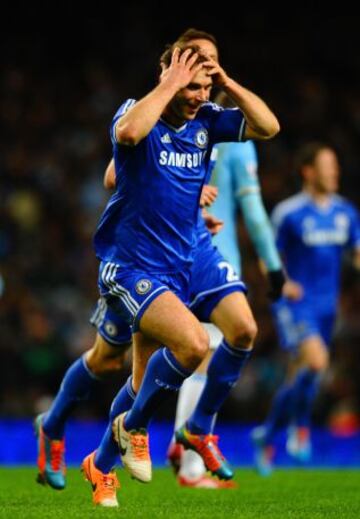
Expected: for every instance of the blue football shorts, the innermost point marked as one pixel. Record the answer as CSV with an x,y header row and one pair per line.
x,y
212,278
130,292
297,321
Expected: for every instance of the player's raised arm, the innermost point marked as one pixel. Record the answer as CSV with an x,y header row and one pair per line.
x,y
135,124
110,175
261,123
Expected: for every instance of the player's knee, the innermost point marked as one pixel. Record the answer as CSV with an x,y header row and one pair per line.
x,y
198,348
103,363
319,361
244,335
107,366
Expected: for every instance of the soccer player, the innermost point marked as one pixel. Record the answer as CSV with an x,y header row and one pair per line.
x,y
313,228
107,354
235,175
161,148
159,159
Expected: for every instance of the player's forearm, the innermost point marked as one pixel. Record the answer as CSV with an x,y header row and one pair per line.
x,y
264,244
261,122
260,231
137,123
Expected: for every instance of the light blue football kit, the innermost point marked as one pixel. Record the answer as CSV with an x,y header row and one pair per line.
x,y
312,240
235,174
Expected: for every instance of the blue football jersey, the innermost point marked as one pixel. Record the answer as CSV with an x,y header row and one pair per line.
x,y
312,239
149,222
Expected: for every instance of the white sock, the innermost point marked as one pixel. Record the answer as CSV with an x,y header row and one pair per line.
x,y
188,397
215,335
192,465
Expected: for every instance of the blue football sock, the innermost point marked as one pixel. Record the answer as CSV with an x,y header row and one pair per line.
x,y
163,375
305,390
281,411
223,372
75,387
107,452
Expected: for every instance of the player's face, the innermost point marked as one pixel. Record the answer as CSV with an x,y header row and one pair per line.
x,y
207,47
326,171
188,101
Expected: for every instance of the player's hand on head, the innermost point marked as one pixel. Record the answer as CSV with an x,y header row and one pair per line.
x,y
208,195
215,70
183,67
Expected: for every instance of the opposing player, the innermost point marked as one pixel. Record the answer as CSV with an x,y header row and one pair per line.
x,y
313,228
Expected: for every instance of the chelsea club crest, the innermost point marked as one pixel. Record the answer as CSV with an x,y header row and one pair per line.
x,y
143,286
110,328
201,138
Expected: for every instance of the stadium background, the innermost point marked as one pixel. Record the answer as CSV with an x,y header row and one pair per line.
x,y
62,79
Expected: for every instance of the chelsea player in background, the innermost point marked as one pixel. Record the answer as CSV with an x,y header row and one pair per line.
x,y
313,228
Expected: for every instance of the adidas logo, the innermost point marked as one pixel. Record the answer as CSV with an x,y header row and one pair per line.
x,y
165,139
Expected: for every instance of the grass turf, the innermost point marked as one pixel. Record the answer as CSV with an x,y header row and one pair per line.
x,y
309,494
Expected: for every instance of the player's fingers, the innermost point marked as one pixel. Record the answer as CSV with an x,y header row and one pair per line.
x,y
204,200
185,55
192,59
213,190
175,55
211,71
195,68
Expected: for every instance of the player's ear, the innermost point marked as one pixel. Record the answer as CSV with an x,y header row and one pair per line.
x,y
306,171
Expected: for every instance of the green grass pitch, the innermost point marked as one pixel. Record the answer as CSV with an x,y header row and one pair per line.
x,y
308,494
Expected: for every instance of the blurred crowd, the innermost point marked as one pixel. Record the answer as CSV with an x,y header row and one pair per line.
x,y
54,148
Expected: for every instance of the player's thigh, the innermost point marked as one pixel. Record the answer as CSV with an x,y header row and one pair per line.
x,y
169,322
233,316
313,353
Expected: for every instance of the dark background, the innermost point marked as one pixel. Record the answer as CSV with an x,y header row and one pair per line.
x,y
63,75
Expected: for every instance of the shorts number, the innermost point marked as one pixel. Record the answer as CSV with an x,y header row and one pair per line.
x,y
230,272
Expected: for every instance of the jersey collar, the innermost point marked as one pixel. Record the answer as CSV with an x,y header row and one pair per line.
x,y
176,130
